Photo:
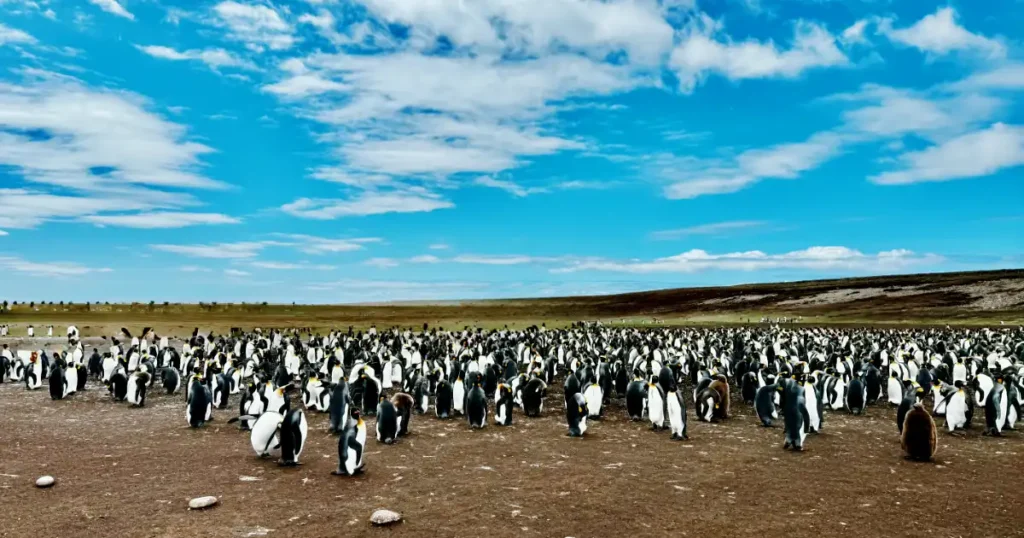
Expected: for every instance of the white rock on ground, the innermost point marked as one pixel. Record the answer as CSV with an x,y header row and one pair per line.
x,y
45,481
202,502
385,517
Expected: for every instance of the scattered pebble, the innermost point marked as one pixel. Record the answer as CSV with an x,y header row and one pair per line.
x,y
45,481
385,517
202,502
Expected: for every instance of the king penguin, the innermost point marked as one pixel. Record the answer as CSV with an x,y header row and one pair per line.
x,y
503,405
476,406
918,435
576,415
676,414
351,447
794,414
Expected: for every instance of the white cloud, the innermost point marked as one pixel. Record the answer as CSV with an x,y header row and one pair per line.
x,y
1004,77
426,258
102,149
113,7
160,219
381,263
48,269
50,14
439,246
235,272
213,58
854,34
304,85
813,258
707,229
976,154
895,112
508,186
367,203
324,23
3,233
13,35
533,27
691,178
193,269
221,251
940,33
510,259
279,266
323,245
699,53
256,25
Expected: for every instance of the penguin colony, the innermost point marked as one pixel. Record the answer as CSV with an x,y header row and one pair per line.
x,y
792,376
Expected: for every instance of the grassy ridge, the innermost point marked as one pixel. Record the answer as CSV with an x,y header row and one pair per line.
x,y
959,298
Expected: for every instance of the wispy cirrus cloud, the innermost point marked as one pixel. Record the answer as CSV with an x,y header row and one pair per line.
x,y
48,269
940,33
716,228
10,35
160,219
813,258
113,7
214,58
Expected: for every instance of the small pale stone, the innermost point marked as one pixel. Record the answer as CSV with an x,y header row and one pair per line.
x,y
202,502
45,481
385,517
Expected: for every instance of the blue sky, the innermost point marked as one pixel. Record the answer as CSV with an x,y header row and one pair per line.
x,y
375,150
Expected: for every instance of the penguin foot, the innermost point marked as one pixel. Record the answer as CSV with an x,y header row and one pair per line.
x,y
786,445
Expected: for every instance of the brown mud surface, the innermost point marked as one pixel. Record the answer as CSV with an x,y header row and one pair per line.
x,y
130,472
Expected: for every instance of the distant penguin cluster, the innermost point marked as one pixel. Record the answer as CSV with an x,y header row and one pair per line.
x,y
796,376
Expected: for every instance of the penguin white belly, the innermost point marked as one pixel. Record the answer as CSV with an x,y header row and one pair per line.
x,y
593,398
709,409
583,425
959,373
840,390
675,415
656,412
108,368
1002,413
894,391
459,397
132,390
956,412
70,381
264,437
811,401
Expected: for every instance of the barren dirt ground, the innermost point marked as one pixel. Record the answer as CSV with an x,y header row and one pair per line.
x,y
130,472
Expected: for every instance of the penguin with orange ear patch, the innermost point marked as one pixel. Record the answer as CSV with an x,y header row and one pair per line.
x,y
720,385
918,436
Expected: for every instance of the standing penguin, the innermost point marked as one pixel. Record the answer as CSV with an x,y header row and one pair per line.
x,y
918,435
404,405
119,385
894,390
570,387
813,405
956,409
764,403
532,395
910,397
371,391
252,403
576,415
676,415
873,383
503,404
748,387
171,380
293,437
200,407
221,389
636,399
57,383
387,421
794,414
137,384
459,395
341,404
476,406
856,396
34,372
996,409
595,397
655,406
721,385
709,401
443,399
351,447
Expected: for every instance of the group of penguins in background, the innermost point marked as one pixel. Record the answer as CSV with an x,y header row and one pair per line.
x,y
798,373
